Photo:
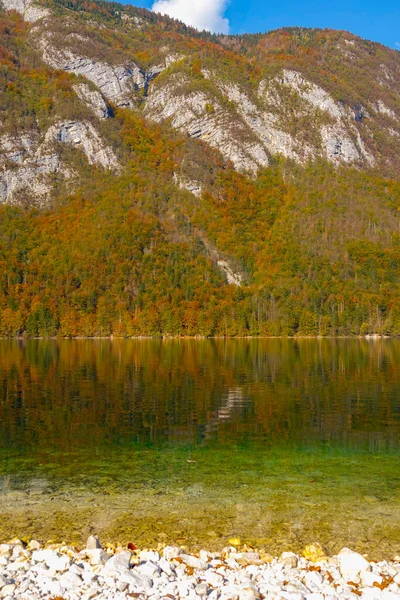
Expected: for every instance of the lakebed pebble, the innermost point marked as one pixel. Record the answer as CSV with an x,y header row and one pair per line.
x,y
32,572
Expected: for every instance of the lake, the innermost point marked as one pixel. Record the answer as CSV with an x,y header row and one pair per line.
x,y
280,442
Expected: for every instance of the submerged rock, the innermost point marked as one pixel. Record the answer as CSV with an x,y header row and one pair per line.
x,y
314,552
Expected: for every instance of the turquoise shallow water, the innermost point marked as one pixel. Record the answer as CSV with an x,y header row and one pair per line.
x,y
280,442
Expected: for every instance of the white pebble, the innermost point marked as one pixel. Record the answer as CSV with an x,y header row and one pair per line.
x,y
201,589
148,568
368,578
289,559
171,552
247,593
313,580
146,555
352,563
194,562
8,590
214,579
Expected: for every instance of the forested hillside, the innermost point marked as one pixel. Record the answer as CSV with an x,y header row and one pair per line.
x,y
155,180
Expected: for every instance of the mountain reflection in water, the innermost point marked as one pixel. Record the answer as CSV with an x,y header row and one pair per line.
x,y
67,394
279,441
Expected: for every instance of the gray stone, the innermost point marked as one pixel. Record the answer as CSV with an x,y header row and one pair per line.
x,y
70,580
148,568
94,100
96,556
139,582
93,542
166,566
118,562
201,589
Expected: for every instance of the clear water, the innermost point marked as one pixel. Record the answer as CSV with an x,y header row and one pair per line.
x,y
278,442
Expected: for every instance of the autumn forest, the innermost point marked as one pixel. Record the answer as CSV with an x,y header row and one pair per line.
x,y
316,246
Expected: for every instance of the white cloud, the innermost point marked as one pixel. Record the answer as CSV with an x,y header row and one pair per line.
x,y
397,44
201,14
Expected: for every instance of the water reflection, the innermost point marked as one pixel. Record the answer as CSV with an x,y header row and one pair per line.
x,y
69,394
284,441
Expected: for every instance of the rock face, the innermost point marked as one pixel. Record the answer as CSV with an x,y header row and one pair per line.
x,y
117,83
277,112
381,108
341,141
201,115
310,92
231,276
254,128
25,165
85,137
26,162
93,99
264,125
188,184
31,12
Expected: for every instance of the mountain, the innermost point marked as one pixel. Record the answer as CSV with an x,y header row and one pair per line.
x,y
155,180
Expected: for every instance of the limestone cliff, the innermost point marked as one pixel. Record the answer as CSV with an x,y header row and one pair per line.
x,y
281,112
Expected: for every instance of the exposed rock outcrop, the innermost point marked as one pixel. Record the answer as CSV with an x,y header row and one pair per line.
x,y
93,99
385,110
85,137
31,166
231,276
264,125
26,162
202,116
247,130
30,176
117,83
341,141
310,92
247,120
184,183
29,10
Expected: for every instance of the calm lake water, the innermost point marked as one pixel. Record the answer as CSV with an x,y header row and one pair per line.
x,y
278,442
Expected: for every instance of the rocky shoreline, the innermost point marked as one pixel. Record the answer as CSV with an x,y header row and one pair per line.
x,y
30,571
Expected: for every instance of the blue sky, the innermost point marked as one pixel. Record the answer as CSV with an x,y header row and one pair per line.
x,y
378,21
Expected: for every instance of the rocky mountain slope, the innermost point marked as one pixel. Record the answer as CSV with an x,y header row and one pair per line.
x,y
247,106
269,163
